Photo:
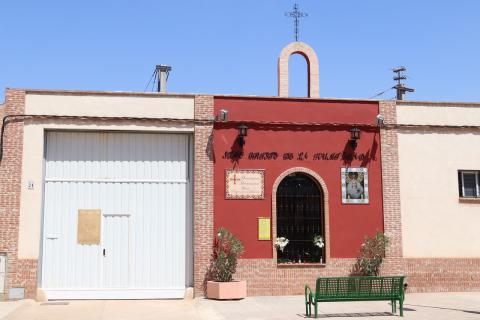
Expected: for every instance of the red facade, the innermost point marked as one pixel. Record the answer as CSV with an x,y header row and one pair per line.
x,y
287,133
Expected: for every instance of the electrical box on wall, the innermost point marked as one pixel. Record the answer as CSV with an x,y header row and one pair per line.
x,y
3,269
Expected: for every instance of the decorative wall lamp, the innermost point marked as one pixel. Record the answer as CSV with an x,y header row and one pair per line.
x,y
242,133
354,136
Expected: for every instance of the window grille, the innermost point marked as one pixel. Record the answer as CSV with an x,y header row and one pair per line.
x,y
300,218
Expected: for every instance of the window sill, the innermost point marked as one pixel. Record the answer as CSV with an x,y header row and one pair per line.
x,y
469,200
302,265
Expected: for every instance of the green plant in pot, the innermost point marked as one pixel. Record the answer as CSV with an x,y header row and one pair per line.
x,y
223,265
372,253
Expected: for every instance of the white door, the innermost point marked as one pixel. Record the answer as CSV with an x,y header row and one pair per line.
x,y
140,183
116,251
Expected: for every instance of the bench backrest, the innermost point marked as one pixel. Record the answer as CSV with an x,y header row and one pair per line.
x,y
359,287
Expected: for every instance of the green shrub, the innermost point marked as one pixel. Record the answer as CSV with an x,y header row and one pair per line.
x,y
226,251
371,255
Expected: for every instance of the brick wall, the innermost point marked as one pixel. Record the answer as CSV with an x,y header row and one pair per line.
x,y
438,275
203,190
20,273
2,110
265,277
391,190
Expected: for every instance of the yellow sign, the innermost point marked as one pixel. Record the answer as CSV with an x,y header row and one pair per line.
x,y
263,228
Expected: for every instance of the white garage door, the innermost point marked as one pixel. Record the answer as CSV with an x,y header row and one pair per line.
x,y
139,186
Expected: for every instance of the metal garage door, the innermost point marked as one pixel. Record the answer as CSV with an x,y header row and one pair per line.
x,y
138,186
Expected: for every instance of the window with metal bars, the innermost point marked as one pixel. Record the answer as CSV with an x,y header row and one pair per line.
x,y
469,184
300,219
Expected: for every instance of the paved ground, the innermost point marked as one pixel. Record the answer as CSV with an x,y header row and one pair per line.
x,y
8,307
437,306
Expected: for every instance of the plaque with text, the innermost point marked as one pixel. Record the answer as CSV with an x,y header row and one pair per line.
x,y
245,184
263,228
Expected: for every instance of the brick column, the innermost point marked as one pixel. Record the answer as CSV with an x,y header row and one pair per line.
x,y
21,273
391,190
203,190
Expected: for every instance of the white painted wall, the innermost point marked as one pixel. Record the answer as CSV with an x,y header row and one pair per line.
x,y
439,114
110,105
34,138
435,223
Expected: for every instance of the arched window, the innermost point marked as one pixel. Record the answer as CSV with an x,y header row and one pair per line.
x,y
300,219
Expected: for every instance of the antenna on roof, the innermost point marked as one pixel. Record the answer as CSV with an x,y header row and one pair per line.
x,y
399,77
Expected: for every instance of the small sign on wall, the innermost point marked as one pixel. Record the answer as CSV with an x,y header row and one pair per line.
x,y
89,226
245,184
264,228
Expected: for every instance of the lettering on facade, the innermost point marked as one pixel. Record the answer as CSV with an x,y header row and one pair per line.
x,y
300,156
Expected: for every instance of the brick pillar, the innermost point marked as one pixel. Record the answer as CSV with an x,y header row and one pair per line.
x,y
391,190
21,273
203,190
312,61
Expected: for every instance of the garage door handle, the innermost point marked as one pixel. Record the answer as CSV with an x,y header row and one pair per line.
x,y
104,252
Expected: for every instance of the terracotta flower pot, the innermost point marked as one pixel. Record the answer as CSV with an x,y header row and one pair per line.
x,y
226,290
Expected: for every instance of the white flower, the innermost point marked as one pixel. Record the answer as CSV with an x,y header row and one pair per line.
x,y
318,241
280,243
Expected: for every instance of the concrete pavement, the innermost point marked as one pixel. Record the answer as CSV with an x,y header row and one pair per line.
x,y
8,307
438,306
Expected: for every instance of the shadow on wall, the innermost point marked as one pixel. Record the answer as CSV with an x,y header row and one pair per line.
x,y
349,153
236,151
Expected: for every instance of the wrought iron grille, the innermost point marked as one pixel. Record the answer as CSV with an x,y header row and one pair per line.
x,y
300,219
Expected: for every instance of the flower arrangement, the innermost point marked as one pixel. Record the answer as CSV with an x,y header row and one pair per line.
x,y
318,241
280,243
223,263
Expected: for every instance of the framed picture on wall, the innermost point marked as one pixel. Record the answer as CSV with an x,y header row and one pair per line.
x,y
355,185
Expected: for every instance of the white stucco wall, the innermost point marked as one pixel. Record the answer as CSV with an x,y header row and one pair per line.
x,y
98,105
34,139
435,222
439,114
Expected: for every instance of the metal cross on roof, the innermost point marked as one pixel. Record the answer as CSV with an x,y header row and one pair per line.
x,y
296,15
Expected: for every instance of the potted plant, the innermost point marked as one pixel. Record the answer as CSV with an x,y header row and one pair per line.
x,y
223,264
372,253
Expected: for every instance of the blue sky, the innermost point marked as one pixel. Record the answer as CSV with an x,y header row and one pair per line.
x,y
231,47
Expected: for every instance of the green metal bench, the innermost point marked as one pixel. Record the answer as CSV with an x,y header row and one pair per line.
x,y
356,289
